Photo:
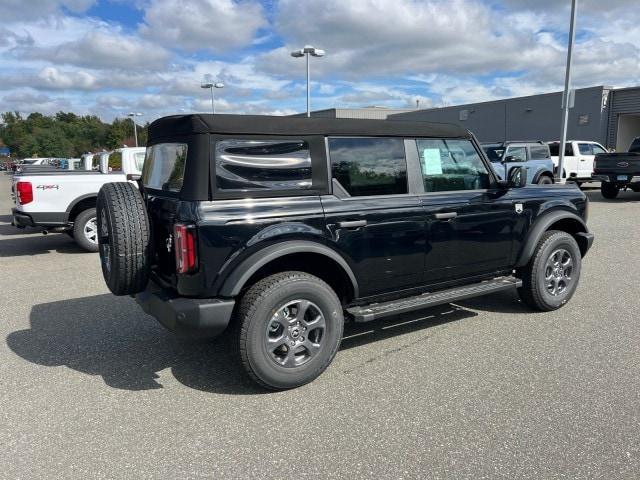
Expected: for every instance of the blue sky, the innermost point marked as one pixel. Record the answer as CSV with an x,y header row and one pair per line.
x,y
108,57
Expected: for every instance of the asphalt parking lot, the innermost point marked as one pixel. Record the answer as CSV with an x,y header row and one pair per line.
x,y
94,388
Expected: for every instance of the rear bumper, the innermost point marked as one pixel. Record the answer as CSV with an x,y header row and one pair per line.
x,y
38,219
614,178
207,317
21,220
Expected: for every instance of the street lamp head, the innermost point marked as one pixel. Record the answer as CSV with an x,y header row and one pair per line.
x,y
134,114
206,85
218,85
317,52
298,53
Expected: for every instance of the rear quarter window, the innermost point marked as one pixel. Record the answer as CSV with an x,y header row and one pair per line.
x,y
262,165
164,166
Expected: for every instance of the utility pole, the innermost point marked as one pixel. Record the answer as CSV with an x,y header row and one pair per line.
x,y
567,93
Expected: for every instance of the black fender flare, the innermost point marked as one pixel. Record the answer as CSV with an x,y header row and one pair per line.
x,y
243,272
80,199
541,225
537,176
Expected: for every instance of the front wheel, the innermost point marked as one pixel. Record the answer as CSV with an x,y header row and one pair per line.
x,y
609,190
290,329
551,277
85,230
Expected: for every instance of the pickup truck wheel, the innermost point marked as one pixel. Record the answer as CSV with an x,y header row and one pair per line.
x,y
124,238
551,277
609,190
545,180
85,230
290,327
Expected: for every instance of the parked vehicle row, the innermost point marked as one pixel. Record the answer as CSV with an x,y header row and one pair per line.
x,y
65,200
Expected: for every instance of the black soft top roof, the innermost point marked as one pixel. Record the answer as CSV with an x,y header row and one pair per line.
x,y
274,125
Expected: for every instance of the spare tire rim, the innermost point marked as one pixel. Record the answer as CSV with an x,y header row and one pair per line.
x,y
91,230
558,274
295,333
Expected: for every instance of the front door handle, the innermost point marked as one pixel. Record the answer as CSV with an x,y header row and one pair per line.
x,y
353,224
446,215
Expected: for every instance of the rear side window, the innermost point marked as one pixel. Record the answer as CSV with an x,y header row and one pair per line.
x,y
554,148
369,166
115,161
251,165
164,166
539,152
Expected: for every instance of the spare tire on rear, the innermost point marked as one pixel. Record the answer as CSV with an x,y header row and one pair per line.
x,y
124,238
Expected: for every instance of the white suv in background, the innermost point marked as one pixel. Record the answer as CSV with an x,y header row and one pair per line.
x,y
578,158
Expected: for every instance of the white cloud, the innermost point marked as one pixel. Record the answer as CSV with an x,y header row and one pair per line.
x,y
103,50
31,9
212,25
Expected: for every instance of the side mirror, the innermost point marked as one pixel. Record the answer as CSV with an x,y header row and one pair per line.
x,y
517,177
510,159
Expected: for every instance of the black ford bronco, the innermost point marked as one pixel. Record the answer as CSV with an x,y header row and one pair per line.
x,y
280,229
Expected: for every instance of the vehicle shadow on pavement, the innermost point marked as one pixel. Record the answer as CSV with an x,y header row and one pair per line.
x,y
358,334
500,302
10,230
111,337
5,218
34,245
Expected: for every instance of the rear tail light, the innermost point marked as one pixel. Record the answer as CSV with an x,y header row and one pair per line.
x,y
24,191
185,248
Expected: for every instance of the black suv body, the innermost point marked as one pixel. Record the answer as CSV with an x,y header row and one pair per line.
x,y
385,216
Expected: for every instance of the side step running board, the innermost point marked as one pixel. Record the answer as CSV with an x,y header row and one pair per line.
x,y
374,311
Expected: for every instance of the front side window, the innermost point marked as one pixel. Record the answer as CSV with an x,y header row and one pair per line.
x,y
369,166
450,165
519,154
585,149
539,152
243,165
115,161
164,166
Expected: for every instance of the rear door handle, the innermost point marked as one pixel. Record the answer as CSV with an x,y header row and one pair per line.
x,y
353,224
446,215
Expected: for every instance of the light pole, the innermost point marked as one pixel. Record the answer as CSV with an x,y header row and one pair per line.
x,y
211,86
305,52
132,115
567,92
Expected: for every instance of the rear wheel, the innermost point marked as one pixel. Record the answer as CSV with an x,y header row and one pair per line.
x,y
85,230
551,277
545,180
609,190
290,327
124,238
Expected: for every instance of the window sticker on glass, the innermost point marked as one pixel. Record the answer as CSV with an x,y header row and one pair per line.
x,y
431,161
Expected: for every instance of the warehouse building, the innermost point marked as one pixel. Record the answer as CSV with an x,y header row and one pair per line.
x,y
371,113
603,114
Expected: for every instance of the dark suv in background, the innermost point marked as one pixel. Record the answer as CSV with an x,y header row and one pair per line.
x,y
280,229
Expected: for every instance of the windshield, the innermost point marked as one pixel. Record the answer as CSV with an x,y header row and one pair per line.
x,y
494,152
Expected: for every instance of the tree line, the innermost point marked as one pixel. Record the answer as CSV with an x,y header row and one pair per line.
x,y
65,134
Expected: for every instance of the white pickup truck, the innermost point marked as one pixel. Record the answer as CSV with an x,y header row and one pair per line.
x,y
65,200
578,158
